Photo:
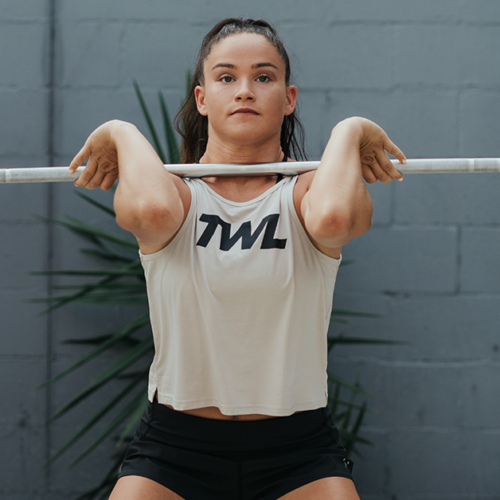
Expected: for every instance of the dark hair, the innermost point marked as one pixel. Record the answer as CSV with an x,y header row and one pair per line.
x,y
193,127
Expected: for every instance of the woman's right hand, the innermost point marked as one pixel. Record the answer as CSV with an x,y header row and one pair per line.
x,y
102,168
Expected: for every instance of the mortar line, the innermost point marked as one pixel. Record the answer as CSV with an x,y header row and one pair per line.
x,y
50,230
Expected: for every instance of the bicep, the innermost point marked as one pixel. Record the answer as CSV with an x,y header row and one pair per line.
x,y
300,200
157,227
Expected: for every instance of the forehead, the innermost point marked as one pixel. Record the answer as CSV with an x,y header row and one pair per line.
x,y
242,49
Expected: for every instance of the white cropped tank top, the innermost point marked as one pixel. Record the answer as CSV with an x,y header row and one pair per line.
x,y
240,304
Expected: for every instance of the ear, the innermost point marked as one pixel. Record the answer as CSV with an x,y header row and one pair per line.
x,y
199,95
291,99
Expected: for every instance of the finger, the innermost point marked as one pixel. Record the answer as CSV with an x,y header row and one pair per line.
x,y
394,150
387,166
108,181
87,173
380,173
96,179
80,157
368,174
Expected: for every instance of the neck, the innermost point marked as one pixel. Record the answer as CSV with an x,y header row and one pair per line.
x,y
218,152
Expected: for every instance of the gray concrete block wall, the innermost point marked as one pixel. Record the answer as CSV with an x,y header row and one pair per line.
x,y
426,71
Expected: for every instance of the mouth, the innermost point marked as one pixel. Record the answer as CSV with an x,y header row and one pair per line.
x,y
245,111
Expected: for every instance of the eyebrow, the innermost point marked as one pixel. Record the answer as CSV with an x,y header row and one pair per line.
x,y
254,66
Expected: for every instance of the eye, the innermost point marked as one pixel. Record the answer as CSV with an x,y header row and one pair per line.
x,y
226,79
263,78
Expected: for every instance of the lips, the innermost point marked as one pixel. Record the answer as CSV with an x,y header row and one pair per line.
x,y
245,111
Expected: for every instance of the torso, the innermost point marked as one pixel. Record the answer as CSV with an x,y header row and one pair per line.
x,y
240,189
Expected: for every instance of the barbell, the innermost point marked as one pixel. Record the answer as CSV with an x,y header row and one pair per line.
x,y
418,166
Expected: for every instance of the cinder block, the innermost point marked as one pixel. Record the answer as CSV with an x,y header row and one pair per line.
x,y
487,451
439,328
480,267
447,328
341,57
27,10
394,11
455,55
402,259
447,395
371,468
23,127
15,161
479,124
423,123
23,249
23,54
23,333
90,54
22,443
483,44
20,399
481,11
448,199
94,107
198,11
382,203
312,114
152,53
439,464
425,396
19,202
446,50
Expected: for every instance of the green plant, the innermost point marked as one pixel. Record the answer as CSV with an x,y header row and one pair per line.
x,y
121,283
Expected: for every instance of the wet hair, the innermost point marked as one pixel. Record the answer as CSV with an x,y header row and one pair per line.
x,y
193,127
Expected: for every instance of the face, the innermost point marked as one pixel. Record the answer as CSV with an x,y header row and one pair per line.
x,y
245,96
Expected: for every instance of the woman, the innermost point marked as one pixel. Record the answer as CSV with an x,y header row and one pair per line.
x,y
240,273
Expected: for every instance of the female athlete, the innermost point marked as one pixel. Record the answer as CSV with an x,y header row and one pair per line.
x,y
240,272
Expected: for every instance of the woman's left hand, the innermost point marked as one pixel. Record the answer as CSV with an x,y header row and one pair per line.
x,y
375,164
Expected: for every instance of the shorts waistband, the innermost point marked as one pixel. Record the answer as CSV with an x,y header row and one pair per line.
x,y
274,431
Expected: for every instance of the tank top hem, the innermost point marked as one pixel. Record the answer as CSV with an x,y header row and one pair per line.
x,y
233,410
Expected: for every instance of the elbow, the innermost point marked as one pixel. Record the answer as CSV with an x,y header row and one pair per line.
x,y
148,217
335,227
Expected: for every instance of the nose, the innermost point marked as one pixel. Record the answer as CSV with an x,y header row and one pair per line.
x,y
244,91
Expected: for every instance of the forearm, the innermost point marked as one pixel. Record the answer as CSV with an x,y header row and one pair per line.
x,y
338,206
146,196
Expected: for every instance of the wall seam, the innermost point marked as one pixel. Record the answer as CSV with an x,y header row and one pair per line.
x,y
50,228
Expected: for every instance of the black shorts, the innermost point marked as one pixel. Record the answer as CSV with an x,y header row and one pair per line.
x,y
207,459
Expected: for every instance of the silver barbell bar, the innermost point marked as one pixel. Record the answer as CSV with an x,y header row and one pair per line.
x,y
420,166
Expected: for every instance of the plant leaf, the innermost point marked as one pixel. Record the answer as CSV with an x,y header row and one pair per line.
x,y
356,314
135,418
96,418
132,327
149,122
100,206
170,140
122,364
91,232
362,340
111,427
335,379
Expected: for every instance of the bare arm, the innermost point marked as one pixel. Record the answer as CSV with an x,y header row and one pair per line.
x,y
149,202
335,205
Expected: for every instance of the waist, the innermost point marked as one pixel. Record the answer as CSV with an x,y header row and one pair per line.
x,y
212,412
208,430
